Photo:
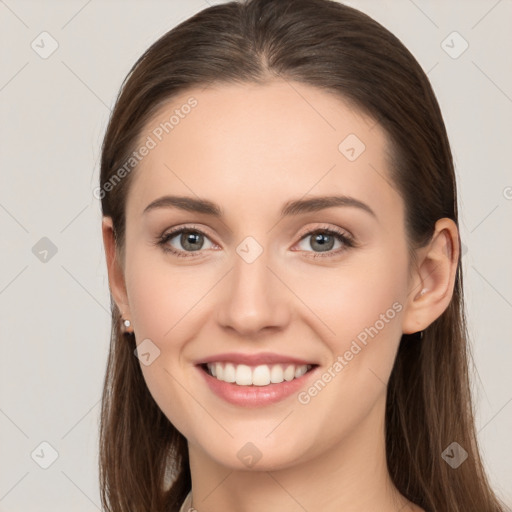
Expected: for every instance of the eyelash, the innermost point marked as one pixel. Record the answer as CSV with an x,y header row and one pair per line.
x,y
347,241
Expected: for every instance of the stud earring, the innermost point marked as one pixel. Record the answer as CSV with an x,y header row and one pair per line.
x,y
126,326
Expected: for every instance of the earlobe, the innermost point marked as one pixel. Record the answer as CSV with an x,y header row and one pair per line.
x,y
115,271
433,279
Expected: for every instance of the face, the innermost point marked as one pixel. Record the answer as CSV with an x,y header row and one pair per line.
x,y
266,285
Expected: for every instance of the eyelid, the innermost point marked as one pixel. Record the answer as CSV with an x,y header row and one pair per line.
x,y
325,227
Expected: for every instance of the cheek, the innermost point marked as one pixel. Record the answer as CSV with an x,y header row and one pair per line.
x,y
161,295
165,301
363,306
354,301
155,308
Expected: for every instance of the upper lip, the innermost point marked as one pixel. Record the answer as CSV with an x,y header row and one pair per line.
x,y
253,359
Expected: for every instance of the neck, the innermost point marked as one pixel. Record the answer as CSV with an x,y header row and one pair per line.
x,y
352,477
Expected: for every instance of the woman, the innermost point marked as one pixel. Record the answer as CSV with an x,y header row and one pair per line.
x,y
310,354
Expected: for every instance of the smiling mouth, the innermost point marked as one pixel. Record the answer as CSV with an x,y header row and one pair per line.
x,y
260,375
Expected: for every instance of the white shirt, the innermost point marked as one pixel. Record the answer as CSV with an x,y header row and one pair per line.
x,y
187,504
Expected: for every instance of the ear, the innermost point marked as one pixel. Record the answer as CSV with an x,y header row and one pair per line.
x,y
115,268
433,278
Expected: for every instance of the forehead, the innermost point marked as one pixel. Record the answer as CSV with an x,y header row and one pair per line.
x,y
255,145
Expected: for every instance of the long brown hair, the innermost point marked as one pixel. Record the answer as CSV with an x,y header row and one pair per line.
x,y
143,458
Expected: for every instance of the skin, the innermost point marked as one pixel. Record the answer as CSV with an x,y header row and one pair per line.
x,y
251,148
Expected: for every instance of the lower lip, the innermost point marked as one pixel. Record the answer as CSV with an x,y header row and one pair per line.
x,y
255,396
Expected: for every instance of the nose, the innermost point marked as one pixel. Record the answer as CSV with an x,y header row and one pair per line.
x,y
253,298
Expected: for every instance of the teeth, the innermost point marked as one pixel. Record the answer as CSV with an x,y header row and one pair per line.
x,y
300,371
261,375
276,374
243,375
289,373
229,373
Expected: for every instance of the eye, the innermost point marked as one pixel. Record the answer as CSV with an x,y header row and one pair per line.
x,y
323,240
192,240
189,238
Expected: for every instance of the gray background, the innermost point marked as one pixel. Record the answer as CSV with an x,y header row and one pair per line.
x,y
54,314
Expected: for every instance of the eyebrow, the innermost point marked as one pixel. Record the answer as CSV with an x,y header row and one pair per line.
x,y
290,208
